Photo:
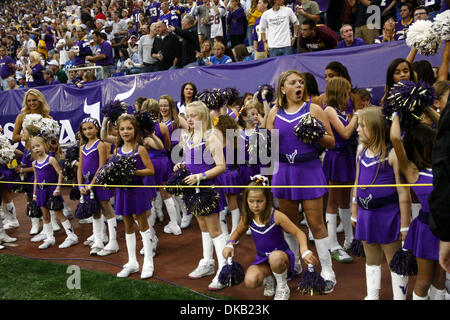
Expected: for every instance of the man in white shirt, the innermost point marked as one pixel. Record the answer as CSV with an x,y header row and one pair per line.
x,y
148,63
275,29
216,12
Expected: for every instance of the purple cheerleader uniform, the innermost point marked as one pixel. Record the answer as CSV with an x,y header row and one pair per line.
x,y
268,239
420,240
339,164
230,177
7,174
174,140
45,173
298,162
378,208
27,162
160,161
248,165
232,114
198,159
89,168
129,201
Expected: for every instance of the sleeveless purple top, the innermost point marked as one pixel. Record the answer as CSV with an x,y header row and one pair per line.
x,y
198,158
422,193
45,173
158,153
339,142
90,161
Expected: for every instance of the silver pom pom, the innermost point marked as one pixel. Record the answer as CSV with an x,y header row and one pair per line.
x,y
422,36
441,25
6,150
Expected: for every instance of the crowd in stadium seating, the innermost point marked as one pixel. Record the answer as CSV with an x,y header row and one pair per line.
x,y
43,41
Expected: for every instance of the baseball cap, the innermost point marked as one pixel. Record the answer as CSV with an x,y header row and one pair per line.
x,y
54,63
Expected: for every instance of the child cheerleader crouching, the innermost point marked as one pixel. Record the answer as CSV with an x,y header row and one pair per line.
x,y
273,255
47,170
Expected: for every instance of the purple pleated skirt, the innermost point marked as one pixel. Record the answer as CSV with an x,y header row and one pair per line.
x,y
378,226
102,194
229,178
259,259
308,173
245,172
162,169
421,241
42,195
339,166
129,201
150,181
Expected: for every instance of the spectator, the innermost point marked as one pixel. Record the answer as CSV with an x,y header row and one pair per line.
x,y
316,38
120,31
133,46
433,7
406,12
253,13
348,40
61,76
421,13
387,8
12,46
203,25
363,30
103,55
124,64
12,83
81,48
206,50
258,44
215,13
241,53
219,56
28,43
275,29
33,70
389,33
49,39
145,46
306,10
340,12
49,77
21,81
178,9
153,10
70,63
166,48
99,14
238,23
189,45
228,50
7,67
170,18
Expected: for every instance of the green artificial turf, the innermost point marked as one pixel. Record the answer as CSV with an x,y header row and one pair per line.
x,y
27,279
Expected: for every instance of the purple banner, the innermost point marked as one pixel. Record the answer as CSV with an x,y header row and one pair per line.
x,y
69,104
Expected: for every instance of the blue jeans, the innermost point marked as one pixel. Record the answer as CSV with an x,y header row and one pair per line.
x,y
284,51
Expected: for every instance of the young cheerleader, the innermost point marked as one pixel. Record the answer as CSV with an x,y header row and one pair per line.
x,y
134,203
299,160
169,116
204,158
161,164
231,176
47,170
414,162
339,166
381,214
188,93
93,155
273,255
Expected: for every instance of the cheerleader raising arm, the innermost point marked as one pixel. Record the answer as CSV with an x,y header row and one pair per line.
x,y
153,142
327,141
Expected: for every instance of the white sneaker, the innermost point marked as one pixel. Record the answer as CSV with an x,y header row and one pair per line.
x,y
89,241
85,221
173,229
119,218
47,243
204,268
5,238
34,226
340,228
70,241
128,270
269,286
282,293
215,285
186,221
11,224
39,237
95,250
1,247
110,248
147,269
55,225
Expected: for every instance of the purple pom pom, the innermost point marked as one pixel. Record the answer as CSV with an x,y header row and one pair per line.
x,y
203,202
114,110
404,263
92,204
119,170
231,95
356,249
311,282
213,99
146,120
175,182
232,273
309,129
270,95
410,99
33,211
81,212
55,203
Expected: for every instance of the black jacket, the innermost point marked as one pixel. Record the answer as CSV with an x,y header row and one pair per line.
x,y
189,45
170,47
439,199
